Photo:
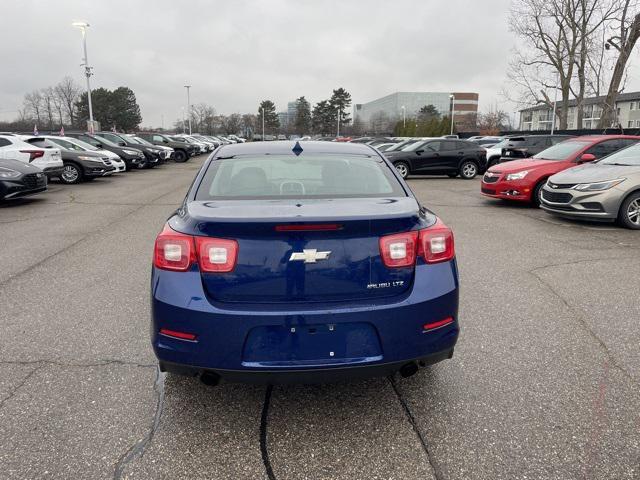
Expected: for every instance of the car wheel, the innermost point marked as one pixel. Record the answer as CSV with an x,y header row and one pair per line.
x,y
629,214
402,168
180,156
452,175
536,195
71,173
468,170
142,164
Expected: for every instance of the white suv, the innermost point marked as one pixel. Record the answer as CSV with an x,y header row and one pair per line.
x,y
48,160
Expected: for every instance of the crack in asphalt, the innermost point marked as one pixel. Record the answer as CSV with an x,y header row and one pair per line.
x,y
137,449
581,319
15,389
264,417
437,473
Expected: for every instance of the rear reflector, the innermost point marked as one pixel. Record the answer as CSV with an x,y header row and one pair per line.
x,y
176,334
438,324
321,227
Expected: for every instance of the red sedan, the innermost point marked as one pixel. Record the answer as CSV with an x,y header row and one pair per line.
x,y
522,180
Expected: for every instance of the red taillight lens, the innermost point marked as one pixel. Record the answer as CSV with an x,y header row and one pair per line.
x,y
33,154
399,250
176,334
434,244
217,255
173,251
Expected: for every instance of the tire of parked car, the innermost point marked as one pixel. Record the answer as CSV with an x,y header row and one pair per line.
x,y
536,194
72,173
142,164
181,156
468,170
402,168
629,214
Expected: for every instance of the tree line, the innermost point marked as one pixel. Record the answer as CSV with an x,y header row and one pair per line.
x,y
65,105
575,48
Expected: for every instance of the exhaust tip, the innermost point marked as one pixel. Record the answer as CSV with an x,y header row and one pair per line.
x,y
408,369
210,379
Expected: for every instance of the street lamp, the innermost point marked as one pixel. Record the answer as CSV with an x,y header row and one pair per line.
x,y
183,127
262,112
404,117
188,106
87,69
453,107
338,133
555,102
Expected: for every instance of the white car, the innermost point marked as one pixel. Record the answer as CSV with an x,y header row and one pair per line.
x,y
116,161
495,152
49,160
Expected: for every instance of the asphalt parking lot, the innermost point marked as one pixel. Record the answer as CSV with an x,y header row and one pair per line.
x,y
545,382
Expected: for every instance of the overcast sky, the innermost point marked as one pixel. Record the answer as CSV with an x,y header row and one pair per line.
x,y
236,53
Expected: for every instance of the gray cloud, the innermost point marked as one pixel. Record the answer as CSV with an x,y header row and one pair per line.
x,y
236,53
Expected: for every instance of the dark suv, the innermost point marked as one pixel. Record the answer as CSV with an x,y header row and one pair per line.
x,y
153,156
183,150
529,145
439,156
131,157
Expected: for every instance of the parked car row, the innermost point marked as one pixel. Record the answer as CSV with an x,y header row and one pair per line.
x,y
594,177
28,162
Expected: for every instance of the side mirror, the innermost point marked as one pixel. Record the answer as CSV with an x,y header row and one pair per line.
x,y
587,157
98,145
122,144
164,140
419,151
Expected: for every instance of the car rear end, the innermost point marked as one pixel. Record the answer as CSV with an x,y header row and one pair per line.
x,y
281,268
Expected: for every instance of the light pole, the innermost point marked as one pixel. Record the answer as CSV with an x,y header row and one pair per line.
x,y
555,101
183,127
188,107
262,111
453,109
404,117
87,69
338,133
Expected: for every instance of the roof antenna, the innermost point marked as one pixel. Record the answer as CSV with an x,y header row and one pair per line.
x,y
297,149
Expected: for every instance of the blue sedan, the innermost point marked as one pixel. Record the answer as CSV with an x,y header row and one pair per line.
x,y
302,262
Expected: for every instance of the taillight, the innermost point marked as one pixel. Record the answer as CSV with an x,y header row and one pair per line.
x,y
174,251
434,244
33,154
399,250
216,255
177,251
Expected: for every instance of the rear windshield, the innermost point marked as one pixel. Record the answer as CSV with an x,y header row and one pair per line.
x,y
561,151
308,176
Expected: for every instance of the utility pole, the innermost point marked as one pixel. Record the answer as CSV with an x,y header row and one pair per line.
x,y
555,102
404,117
453,109
262,110
188,107
339,115
87,69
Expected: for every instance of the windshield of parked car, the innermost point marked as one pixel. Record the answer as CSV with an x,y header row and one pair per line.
x,y
401,145
84,145
501,143
132,139
67,145
142,141
106,142
627,156
306,176
562,151
413,147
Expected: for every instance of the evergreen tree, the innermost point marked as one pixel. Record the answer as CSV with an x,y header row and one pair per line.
x,y
323,117
428,112
271,120
340,101
303,116
112,109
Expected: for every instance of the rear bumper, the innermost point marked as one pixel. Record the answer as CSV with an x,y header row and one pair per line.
x,y
273,343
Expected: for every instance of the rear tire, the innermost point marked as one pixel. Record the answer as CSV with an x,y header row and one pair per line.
x,y
71,173
181,156
402,168
629,214
468,170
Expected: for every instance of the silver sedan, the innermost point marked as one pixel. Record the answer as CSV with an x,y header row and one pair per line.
x,y
607,190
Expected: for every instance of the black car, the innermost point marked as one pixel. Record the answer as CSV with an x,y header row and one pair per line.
x,y
439,156
19,179
79,165
153,156
183,150
528,145
131,157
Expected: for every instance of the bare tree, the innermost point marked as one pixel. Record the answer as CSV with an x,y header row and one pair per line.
x,y
33,105
492,123
627,32
48,105
68,93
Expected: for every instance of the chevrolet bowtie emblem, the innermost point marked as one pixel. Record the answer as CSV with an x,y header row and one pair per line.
x,y
309,256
